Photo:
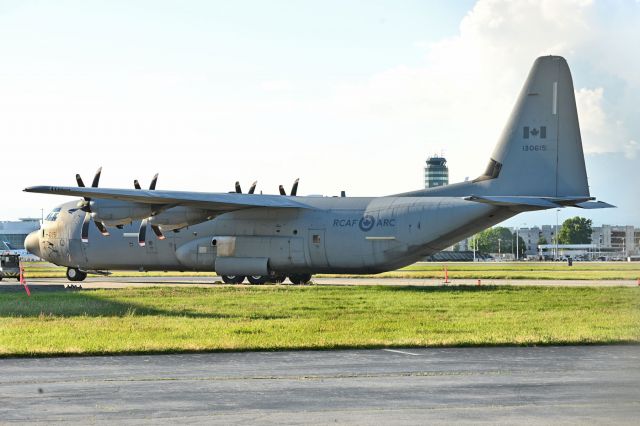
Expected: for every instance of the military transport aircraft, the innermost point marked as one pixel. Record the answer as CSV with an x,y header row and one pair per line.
x,y
537,164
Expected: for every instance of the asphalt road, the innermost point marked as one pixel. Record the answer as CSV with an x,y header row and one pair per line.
x,y
120,282
588,384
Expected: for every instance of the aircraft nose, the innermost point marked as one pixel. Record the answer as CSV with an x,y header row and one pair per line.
x,y
32,243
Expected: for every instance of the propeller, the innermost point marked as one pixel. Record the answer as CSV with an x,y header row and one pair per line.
x,y
251,189
294,188
142,233
85,206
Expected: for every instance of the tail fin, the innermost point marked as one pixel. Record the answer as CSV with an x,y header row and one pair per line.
x,y
540,150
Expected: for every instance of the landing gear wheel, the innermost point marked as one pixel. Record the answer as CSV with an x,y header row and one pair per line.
x,y
300,278
277,278
0,277
74,274
232,279
257,279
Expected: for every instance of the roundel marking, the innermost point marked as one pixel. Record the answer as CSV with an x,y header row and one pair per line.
x,y
366,223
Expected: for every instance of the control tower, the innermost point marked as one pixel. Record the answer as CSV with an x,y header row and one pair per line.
x,y
436,172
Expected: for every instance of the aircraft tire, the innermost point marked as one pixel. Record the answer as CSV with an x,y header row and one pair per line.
x,y
299,279
257,279
276,278
232,279
74,274
0,277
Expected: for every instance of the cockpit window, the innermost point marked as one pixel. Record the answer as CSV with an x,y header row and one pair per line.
x,y
51,217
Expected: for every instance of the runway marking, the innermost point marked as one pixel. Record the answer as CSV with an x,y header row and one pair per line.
x,y
401,352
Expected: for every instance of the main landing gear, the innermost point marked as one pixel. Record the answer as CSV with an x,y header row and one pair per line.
x,y
75,274
263,279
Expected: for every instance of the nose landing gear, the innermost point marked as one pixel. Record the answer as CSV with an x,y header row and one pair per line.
x,y
75,274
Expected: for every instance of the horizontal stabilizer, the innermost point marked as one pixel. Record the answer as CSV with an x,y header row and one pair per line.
x,y
595,205
506,201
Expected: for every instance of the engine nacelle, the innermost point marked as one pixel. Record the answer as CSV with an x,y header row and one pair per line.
x,y
179,217
115,212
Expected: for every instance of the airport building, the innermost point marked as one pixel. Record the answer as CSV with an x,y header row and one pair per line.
x,y
15,232
436,172
611,242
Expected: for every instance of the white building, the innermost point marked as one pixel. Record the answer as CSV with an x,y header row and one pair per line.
x,y
14,233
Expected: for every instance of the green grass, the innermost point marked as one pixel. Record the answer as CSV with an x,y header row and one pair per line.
x,y
172,319
460,270
518,270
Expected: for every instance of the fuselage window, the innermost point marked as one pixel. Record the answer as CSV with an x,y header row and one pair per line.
x,y
316,239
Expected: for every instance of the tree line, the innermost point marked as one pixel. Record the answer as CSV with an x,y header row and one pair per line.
x,y
576,230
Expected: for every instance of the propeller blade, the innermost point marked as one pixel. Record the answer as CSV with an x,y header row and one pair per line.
x,y
136,184
281,188
96,178
85,227
253,187
156,230
142,233
79,180
238,189
103,229
152,186
294,188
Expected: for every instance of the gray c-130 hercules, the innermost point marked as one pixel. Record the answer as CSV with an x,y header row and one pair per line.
x,y
537,164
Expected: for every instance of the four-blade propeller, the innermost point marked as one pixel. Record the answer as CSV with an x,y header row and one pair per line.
x,y
142,233
85,206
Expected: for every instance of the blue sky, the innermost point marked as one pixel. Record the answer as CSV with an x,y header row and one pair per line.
x,y
346,95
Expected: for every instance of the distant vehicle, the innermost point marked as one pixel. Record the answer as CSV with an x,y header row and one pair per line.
x,y
9,266
538,164
25,256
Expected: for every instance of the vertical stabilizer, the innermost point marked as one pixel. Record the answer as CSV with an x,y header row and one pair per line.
x,y
540,150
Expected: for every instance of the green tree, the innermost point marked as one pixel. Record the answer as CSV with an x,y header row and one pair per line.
x,y
576,230
542,241
495,240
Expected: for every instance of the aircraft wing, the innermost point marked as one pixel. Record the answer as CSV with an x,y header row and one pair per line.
x,y
217,202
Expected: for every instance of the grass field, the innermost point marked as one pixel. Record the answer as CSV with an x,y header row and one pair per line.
x,y
170,319
462,270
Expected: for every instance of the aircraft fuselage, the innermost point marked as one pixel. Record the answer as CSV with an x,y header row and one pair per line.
x,y
337,235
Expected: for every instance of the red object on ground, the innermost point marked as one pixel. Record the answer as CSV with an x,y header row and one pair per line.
x,y
446,275
23,281
479,282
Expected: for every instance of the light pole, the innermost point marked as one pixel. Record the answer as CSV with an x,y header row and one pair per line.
x,y
475,243
499,255
517,241
556,235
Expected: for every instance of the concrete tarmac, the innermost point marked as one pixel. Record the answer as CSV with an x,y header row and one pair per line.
x,y
535,385
120,282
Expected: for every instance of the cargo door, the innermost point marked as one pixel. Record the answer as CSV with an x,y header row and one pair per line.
x,y
317,253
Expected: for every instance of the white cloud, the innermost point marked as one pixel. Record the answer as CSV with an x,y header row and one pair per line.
x,y
631,149
461,97
276,86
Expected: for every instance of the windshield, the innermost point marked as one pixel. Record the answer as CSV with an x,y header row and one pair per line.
x,y
51,217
